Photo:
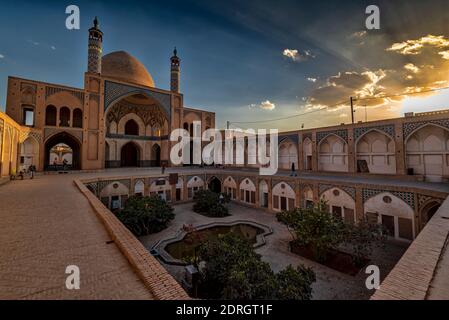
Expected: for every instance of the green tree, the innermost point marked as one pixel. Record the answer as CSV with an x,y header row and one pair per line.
x,y
362,238
145,215
294,284
315,229
232,270
211,204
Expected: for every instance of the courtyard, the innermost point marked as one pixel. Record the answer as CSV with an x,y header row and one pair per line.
x,y
330,283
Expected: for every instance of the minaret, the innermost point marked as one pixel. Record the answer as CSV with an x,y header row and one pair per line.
x,y
175,72
95,48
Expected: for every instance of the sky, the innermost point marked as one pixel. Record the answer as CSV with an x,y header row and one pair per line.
x,y
250,61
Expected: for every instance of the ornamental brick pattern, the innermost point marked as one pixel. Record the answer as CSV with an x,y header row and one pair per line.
x,y
388,129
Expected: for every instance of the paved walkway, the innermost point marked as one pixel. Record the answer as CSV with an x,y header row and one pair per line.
x,y
46,224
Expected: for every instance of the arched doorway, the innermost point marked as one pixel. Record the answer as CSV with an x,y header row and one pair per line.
x,y
156,156
63,148
263,194
428,212
29,153
129,156
215,185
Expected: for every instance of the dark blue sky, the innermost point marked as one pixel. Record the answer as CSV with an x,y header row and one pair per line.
x,y
231,51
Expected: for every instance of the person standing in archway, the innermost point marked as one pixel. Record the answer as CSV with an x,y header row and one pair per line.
x,y
293,174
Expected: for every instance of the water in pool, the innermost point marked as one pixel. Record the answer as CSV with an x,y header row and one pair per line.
x,y
185,248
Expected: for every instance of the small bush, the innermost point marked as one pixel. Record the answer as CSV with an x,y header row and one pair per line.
x,y
145,215
209,203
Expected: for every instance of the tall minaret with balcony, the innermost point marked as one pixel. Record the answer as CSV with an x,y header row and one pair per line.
x,y
95,48
175,72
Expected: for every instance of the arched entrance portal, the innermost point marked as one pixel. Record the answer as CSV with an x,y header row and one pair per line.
x,y
215,185
429,211
156,156
129,155
61,149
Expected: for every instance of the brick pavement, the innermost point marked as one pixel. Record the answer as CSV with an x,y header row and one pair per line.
x,y
47,224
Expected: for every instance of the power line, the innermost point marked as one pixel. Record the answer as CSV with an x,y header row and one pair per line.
x,y
293,115
338,104
400,95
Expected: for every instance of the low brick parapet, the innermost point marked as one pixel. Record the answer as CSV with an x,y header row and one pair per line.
x,y
160,283
413,275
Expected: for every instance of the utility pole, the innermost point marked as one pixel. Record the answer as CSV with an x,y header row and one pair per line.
x,y
352,110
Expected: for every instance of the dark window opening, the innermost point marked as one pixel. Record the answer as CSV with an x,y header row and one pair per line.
x,y
64,117
131,128
50,116
77,118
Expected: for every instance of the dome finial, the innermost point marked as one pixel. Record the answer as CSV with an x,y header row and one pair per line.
x,y
175,52
96,23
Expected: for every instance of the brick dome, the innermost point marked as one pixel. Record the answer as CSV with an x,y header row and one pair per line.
x,y
124,67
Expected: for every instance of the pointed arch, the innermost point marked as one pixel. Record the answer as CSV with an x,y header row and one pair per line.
x,y
427,152
333,154
375,151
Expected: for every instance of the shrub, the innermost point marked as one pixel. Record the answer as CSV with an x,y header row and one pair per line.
x,y
232,270
315,229
362,238
146,215
209,203
320,231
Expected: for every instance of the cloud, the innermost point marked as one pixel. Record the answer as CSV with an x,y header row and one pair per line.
x,y
358,34
53,47
2,56
312,79
415,47
297,56
444,54
411,67
33,42
267,105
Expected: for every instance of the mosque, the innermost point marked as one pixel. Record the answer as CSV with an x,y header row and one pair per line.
x,y
119,119
393,172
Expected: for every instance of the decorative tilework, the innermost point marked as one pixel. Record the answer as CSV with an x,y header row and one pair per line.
x,y
93,186
103,184
113,91
424,200
410,127
388,129
292,137
307,135
34,134
290,183
349,190
407,197
343,133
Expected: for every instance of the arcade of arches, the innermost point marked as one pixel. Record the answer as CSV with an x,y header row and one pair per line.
x,y
395,210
